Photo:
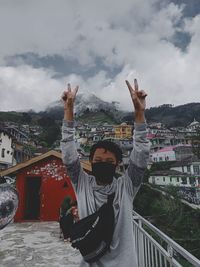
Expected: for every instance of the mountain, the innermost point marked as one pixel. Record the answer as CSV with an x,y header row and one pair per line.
x,y
171,116
85,102
174,116
90,108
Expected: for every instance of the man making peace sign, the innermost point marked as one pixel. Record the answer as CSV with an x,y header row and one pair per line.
x,y
92,190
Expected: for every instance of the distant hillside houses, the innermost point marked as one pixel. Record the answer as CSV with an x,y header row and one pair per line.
x,y
99,132
162,137
172,153
190,166
185,175
173,148
193,126
175,178
17,134
167,144
13,146
123,131
170,177
6,149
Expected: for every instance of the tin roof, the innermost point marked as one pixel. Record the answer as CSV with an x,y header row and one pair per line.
x,y
168,173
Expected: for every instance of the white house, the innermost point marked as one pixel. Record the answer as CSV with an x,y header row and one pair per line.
x,y
172,153
19,135
164,154
6,150
193,125
190,166
172,177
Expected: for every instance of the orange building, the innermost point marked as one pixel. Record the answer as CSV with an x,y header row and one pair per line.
x,y
123,131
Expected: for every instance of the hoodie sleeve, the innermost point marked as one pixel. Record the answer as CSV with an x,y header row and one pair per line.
x,y
70,155
138,159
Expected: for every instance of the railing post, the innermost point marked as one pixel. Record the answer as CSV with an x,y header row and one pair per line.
x,y
171,252
140,244
152,253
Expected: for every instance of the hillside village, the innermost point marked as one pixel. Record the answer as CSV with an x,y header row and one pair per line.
x,y
169,197
173,160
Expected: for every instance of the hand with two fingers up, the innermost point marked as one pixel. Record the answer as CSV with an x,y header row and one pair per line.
x,y
139,101
68,98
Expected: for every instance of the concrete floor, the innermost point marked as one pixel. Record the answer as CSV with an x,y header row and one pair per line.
x,y
35,244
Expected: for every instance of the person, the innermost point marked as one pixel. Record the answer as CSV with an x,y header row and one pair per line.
x,y
66,217
92,190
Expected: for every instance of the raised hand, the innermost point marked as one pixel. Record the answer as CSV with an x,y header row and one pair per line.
x,y
138,96
69,96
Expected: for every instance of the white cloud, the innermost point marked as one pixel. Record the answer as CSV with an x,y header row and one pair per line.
x,y
26,88
133,35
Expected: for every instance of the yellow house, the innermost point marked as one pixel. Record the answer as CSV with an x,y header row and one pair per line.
x,y
123,131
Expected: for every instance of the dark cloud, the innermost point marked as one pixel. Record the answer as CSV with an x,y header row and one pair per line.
x,y
182,40
191,9
62,66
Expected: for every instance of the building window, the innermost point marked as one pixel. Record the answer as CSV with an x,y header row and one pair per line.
x,y
178,179
196,170
170,179
184,180
160,158
188,169
192,180
3,152
163,179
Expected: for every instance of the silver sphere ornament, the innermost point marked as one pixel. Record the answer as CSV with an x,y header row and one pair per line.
x,y
9,200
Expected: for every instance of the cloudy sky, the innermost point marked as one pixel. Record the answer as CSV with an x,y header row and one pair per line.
x,y
98,44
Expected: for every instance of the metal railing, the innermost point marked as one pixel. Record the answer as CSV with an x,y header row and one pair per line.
x,y
155,249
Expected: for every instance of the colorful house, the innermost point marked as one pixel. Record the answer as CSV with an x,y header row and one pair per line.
x,y
123,131
42,183
172,153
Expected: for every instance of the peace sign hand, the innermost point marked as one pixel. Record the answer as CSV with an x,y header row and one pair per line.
x,y
138,96
69,96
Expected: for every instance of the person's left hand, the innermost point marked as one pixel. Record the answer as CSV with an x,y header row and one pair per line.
x,y
138,96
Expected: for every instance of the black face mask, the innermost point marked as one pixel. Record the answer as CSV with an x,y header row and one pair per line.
x,y
104,172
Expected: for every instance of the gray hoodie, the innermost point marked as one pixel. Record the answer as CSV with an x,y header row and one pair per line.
x,y
91,196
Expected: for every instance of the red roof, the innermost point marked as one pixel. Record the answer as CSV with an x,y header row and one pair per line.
x,y
150,135
171,148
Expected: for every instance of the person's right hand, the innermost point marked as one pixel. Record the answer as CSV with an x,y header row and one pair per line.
x,y
69,96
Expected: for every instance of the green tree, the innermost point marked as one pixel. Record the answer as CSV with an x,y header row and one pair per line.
x,y
26,118
50,132
46,121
